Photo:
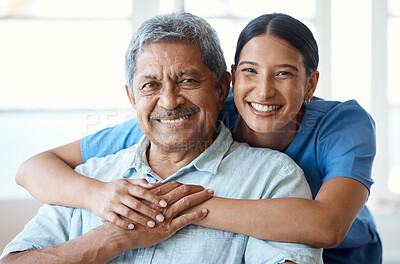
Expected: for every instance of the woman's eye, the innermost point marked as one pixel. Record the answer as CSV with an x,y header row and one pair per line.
x,y
284,73
249,70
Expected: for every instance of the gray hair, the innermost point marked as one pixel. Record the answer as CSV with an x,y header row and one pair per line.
x,y
177,27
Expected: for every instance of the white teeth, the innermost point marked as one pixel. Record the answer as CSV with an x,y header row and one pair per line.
x,y
264,108
173,121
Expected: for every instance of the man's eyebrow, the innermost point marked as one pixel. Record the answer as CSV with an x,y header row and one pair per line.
x,y
143,78
190,73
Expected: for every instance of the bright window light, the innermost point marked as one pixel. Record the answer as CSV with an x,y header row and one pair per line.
x,y
393,61
66,8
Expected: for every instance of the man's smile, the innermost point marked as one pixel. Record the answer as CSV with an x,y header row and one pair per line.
x,y
174,121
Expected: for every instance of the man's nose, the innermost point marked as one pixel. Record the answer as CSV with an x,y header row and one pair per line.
x,y
171,97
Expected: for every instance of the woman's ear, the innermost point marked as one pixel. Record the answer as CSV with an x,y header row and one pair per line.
x,y
311,85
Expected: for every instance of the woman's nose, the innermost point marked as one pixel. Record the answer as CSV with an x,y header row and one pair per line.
x,y
266,88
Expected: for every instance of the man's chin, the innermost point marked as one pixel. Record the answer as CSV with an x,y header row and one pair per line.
x,y
179,144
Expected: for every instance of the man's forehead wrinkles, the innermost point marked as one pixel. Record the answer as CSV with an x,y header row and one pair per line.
x,y
162,72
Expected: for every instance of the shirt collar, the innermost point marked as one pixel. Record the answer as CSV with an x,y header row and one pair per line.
x,y
208,161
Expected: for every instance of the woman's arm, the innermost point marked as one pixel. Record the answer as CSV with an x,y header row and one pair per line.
x,y
323,222
108,241
50,178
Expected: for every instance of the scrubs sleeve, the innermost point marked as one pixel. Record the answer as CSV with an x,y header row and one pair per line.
x,y
111,140
346,144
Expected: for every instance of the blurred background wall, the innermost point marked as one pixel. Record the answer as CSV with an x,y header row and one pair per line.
x,y
61,78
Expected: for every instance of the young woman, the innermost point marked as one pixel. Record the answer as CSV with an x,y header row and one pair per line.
x,y
273,81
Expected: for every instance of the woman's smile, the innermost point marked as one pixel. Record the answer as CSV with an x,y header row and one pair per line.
x,y
264,109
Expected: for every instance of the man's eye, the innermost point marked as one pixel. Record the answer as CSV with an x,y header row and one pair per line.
x,y
149,85
188,83
188,80
150,88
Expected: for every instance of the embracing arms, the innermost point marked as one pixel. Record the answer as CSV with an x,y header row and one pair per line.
x,y
107,241
50,178
323,222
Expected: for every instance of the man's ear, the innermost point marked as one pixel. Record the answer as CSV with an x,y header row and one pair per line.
x,y
311,85
130,96
233,70
223,88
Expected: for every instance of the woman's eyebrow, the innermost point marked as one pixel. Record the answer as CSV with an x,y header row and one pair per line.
x,y
287,66
247,62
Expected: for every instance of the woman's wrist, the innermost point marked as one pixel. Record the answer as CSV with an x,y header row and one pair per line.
x,y
91,190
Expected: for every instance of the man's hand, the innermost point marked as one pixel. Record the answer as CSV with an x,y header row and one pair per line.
x,y
108,241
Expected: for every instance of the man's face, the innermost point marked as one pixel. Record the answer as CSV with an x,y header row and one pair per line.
x,y
174,95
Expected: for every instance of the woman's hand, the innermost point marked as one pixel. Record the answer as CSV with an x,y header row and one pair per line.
x,y
123,197
125,201
176,217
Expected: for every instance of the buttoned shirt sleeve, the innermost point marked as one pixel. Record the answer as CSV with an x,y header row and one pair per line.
x,y
50,226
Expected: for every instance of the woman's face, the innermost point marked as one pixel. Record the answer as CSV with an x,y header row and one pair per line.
x,y
270,83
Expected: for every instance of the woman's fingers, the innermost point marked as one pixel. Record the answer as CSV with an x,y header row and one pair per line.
x,y
139,192
130,202
123,215
139,206
144,183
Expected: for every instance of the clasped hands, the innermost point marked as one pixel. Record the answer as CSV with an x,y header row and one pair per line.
x,y
149,211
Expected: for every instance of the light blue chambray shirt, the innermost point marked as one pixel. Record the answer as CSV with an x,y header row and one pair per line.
x,y
232,169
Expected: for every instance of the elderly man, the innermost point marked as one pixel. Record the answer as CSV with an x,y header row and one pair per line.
x,y
177,82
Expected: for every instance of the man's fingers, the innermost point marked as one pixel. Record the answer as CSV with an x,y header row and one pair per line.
x,y
130,215
118,221
188,202
187,219
146,195
180,192
166,188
